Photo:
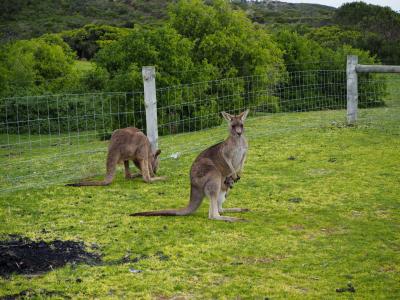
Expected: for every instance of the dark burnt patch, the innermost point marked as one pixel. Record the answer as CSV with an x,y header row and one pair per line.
x,y
20,255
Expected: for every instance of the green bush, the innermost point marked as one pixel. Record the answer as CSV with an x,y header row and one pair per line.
x,y
57,114
201,42
162,47
379,27
35,75
86,41
33,67
317,75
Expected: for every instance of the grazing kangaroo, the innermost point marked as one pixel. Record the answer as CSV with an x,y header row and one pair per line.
x,y
212,174
128,144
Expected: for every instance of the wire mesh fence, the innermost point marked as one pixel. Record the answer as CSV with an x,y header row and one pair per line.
x,y
53,139
44,138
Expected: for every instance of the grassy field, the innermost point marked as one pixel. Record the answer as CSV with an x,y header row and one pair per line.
x,y
324,202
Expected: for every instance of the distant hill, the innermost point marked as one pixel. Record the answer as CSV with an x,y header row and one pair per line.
x,y
277,12
24,19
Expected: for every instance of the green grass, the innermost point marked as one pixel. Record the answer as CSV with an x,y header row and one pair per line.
x,y
345,228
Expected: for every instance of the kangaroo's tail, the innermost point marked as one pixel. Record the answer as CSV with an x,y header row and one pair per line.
x,y
89,183
112,161
196,197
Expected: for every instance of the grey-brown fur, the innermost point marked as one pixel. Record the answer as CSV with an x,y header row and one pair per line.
x,y
212,173
128,144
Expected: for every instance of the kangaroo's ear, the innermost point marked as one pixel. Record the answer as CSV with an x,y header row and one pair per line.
x,y
244,114
157,153
227,116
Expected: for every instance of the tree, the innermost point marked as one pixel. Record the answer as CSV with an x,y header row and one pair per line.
x,y
229,41
379,26
316,75
86,41
225,37
334,37
33,66
162,47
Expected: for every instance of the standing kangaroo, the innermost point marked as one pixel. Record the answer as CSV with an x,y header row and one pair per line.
x,y
212,173
128,144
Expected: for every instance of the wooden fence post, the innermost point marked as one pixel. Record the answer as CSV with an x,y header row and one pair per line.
x,y
150,102
352,89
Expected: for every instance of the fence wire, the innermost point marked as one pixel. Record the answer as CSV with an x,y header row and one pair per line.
x,y
54,139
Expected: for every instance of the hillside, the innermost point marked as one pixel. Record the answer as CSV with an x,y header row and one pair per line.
x,y
24,19
277,12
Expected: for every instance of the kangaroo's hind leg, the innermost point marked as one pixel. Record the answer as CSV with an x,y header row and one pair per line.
x,y
212,190
144,167
221,199
128,174
226,185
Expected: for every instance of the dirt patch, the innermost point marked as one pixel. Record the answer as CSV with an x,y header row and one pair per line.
x,y
20,255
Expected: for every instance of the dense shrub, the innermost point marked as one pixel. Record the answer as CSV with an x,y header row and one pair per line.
x,y
54,114
33,66
235,47
162,47
317,75
202,42
226,38
334,37
40,67
380,27
86,41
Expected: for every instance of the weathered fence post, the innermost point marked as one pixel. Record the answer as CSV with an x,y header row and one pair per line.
x,y
352,89
150,102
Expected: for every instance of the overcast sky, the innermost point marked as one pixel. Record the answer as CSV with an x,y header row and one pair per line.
x,y
394,4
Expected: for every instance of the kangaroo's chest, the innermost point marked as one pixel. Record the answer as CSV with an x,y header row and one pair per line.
x,y
237,156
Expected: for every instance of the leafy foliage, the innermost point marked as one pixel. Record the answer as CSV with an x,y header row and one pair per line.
x,y
231,43
86,41
33,18
307,62
369,27
225,37
29,64
38,67
163,47
334,37
379,25
201,41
